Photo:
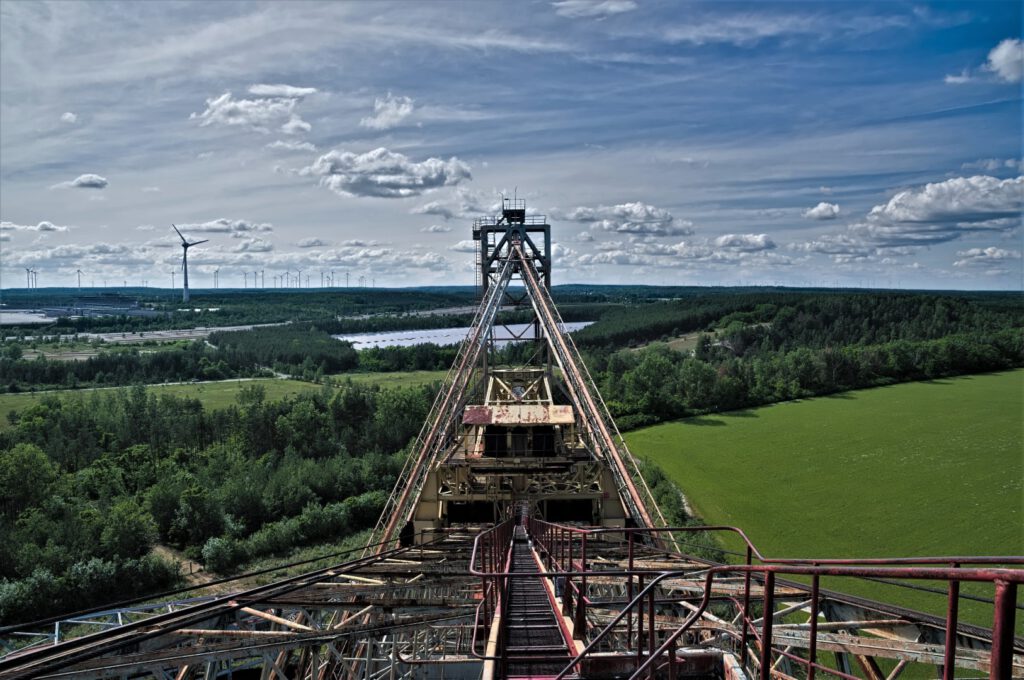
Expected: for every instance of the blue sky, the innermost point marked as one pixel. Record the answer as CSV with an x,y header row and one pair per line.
x,y
720,143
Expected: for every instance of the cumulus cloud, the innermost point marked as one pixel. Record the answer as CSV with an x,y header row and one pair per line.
x,y
434,208
1006,60
466,246
68,117
822,211
388,112
436,229
632,218
578,9
985,257
295,126
258,114
745,242
40,226
86,181
288,91
943,211
226,226
291,145
311,243
253,245
385,174
958,78
841,248
994,164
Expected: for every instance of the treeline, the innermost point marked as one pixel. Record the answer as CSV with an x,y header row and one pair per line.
x,y
807,319
91,484
658,384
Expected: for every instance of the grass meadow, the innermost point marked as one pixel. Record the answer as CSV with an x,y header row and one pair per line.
x,y
927,468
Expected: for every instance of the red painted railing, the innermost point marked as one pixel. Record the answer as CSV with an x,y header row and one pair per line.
x,y
565,552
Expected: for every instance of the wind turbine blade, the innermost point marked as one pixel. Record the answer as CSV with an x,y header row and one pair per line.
x,y
195,243
179,234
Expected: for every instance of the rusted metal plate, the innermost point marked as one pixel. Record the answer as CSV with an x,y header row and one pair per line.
x,y
518,414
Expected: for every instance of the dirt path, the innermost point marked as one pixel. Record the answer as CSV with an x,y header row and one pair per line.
x,y
192,572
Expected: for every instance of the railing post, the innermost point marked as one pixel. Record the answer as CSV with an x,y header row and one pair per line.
x,y
766,634
629,595
639,620
1002,631
581,599
812,652
651,629
746,612
952,612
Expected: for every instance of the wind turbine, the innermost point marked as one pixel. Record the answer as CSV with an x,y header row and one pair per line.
x,y
172,279
216,277
28,277
79,272
185,245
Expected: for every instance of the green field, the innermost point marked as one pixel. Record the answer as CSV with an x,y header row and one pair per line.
x,y
223,393
929,468
399,379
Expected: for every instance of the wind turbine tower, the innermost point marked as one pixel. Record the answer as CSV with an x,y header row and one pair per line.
x,y
185,245
79,272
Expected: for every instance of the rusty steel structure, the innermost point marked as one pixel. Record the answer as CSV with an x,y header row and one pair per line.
x,y
521,541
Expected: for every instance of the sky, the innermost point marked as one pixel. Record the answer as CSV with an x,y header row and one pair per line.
x,y
671,143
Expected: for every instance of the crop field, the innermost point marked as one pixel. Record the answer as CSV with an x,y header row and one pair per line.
x,y
927,468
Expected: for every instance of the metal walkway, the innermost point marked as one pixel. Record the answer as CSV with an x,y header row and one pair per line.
x,y
531,628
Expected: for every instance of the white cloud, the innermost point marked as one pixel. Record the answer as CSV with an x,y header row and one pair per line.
x,y
985,257
385,174
295,126
841,248
822,211
1006,60
388,112
291,145
68,117
466,246
311,243
577,9
86,181
253,245
584,237
226,226
745,242
289,91
959,78
145,227
825,190
436,229
943,211
994,164
151,190
633,218
256,114
41,226
434,208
